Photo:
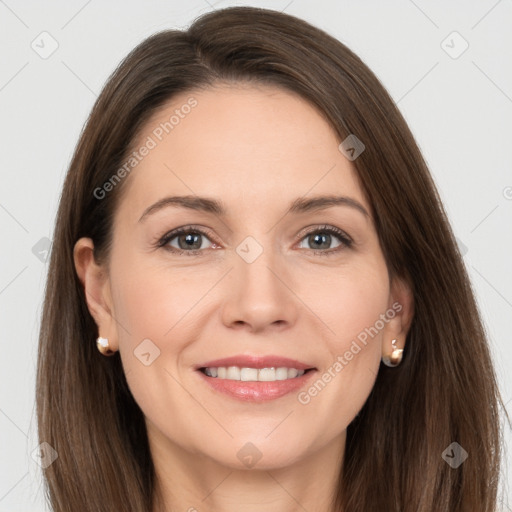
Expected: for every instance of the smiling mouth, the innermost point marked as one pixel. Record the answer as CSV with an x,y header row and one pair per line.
x,y
247,374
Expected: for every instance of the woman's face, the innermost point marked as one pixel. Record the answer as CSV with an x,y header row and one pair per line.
x,y
256,280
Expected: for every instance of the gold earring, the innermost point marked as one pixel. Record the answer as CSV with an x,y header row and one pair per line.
x,y
395,358
103,346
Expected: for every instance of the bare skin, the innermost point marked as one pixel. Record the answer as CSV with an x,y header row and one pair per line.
x,y
303,297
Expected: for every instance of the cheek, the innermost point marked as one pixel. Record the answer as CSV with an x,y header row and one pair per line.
x,y
151,302
157,307
357,322
354,341
348,300
153,316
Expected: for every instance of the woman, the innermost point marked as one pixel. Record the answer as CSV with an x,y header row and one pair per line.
x,y
249,229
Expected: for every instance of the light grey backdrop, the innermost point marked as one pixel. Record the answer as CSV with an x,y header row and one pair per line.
x,y
448,65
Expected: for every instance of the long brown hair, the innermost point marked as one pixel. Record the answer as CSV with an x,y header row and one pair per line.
x,y
444,391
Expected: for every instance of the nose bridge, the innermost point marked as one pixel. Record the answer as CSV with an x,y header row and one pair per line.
x,y
257,293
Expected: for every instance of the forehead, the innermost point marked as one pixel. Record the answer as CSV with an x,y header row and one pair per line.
x,y
253,146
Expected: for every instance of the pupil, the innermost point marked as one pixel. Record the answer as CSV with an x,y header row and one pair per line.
x,y
324,237
190,240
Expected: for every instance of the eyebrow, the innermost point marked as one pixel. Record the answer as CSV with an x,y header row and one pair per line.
x,y
208,205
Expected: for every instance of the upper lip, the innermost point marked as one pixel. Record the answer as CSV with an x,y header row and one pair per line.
x,y
255,361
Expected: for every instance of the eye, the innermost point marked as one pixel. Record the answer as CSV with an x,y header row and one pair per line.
x,y
322,237
186,240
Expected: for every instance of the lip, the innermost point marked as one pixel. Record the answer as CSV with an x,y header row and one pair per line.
x,y
255,391
258,362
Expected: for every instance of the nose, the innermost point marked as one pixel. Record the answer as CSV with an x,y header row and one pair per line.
x,y
259,295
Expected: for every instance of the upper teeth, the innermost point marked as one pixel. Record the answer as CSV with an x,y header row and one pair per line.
x,y
253,374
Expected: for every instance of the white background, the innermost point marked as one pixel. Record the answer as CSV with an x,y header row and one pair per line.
x,y
459,109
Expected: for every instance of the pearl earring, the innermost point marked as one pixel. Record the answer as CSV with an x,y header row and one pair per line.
x,y
395,358
103,346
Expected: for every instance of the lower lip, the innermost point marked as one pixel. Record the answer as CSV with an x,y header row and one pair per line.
x,y
252,391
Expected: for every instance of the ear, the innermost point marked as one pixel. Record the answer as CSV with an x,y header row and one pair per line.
x,y
400,314
96,283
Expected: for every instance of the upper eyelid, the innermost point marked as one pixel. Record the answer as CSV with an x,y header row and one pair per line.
x,y
319,227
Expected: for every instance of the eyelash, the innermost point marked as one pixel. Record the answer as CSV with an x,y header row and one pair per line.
x,y
346,242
